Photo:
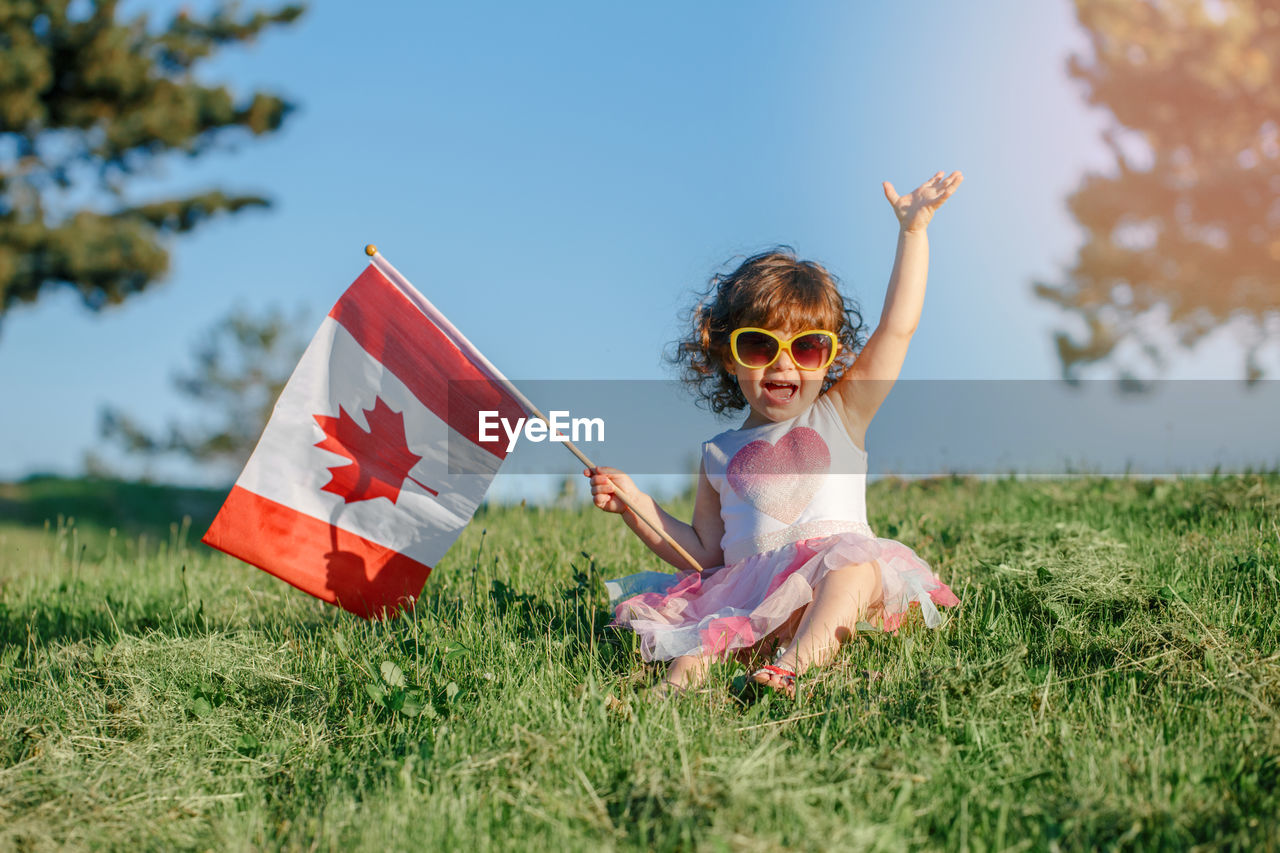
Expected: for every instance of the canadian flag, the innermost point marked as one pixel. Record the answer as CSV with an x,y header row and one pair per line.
x,y
371,464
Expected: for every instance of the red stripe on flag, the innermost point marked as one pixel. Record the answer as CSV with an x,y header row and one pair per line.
x,y
316,557
391,329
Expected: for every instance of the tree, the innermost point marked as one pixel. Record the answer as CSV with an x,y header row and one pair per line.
x,y
88,103
1184,235
240,367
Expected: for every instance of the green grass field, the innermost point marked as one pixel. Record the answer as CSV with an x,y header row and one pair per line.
x,y
1111,680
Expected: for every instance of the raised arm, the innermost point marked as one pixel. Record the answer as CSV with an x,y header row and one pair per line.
x,y
866,384
701,538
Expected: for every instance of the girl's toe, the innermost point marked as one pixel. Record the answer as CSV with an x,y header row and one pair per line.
x,y
775,679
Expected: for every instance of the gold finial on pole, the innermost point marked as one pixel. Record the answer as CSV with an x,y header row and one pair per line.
x,y
371,250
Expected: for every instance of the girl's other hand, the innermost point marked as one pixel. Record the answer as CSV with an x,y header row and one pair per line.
x,y
915,209
606,482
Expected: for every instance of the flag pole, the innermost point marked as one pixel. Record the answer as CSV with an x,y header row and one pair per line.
x,y
460,340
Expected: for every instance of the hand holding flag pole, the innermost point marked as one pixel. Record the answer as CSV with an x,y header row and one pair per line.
x,y
466,346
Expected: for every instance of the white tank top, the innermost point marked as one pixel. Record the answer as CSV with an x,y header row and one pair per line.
x,y
787,481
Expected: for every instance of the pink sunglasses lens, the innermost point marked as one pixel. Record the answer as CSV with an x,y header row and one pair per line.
x,y
756,349
811,351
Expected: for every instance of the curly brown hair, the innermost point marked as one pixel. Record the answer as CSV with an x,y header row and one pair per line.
x,y
773,289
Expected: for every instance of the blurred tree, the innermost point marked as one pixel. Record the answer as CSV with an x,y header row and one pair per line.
x,y
241,366
87,103
1188,225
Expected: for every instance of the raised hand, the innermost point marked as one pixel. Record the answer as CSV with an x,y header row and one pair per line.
x,y
915,209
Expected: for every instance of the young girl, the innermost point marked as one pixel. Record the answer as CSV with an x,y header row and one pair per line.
x,y
780,509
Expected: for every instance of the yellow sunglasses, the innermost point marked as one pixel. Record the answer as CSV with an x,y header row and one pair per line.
x,y
758,348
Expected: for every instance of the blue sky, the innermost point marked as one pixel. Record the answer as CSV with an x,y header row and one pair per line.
x,y
559,177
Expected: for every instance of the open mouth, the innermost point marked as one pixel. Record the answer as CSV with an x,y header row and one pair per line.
x,y
779,393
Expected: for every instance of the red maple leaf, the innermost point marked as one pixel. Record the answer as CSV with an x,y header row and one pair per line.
x,y
380,458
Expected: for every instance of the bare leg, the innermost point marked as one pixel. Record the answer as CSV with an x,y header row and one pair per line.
x,y
840,599
684,673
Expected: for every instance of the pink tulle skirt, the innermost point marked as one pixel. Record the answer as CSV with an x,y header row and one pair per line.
x,y
737,606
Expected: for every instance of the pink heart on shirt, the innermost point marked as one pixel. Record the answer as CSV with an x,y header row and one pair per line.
x,y
780,479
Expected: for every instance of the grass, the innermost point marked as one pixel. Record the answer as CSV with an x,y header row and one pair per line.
x,y
1111,680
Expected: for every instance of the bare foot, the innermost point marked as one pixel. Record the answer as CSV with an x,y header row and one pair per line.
x,y
666,689
684,674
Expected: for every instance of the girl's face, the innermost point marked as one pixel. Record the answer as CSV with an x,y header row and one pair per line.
x,y
780,391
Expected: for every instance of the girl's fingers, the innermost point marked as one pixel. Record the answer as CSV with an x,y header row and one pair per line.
x,y
890,193
948,189
941,179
